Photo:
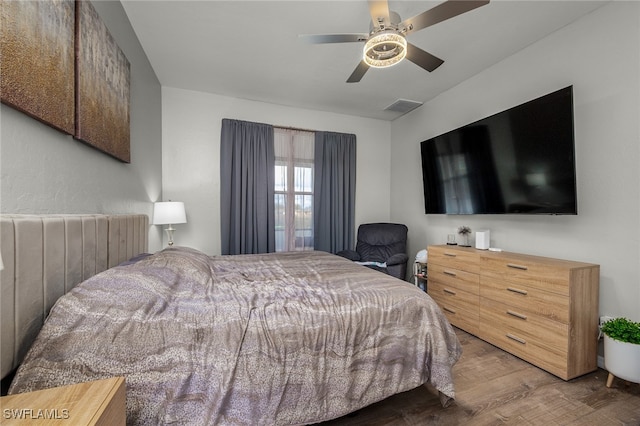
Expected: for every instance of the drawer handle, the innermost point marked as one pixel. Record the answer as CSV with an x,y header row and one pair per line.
x,y
446,290
516,266
451,311
446,253
517,315
517,339
517,290
453,274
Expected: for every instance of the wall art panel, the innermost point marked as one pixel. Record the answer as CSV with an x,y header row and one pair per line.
x,y
37,66
102,86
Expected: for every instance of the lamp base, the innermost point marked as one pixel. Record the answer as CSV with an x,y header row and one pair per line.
x,y
170,230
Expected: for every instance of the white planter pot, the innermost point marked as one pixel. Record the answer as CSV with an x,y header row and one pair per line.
x,y
622,359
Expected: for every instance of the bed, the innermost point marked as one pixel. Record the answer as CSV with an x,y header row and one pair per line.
x,y
281,338
44,257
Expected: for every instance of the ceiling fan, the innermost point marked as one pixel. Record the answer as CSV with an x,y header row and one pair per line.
x,y
386,43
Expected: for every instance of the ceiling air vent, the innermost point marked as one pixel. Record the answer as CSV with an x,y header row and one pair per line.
x,y
403,106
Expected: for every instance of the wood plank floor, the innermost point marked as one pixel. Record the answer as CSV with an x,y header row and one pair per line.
x,y
496,388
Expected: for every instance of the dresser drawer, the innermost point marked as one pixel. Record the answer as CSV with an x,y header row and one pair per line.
x,y
500,336
455,278
543,332
525,298
460,258
531,271
460,307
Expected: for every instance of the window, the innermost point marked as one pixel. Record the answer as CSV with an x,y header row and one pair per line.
x,y
293,189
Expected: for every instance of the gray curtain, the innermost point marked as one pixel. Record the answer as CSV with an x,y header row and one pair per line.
x,y
247,187
334,192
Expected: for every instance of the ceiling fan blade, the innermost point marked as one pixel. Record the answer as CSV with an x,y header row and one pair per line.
x,y
379,10
358,73
423,59
442,12
333,38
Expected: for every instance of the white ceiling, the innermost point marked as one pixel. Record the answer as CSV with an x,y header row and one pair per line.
x,y
251,49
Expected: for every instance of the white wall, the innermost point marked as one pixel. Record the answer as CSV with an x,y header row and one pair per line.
x,y
45,171
191,156
600,56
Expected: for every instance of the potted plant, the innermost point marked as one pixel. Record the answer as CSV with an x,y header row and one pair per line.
x,y
464,232
622,349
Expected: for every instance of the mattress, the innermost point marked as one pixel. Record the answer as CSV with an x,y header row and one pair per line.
x,y
280,338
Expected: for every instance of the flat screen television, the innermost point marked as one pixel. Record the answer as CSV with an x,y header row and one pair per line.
x,y
519,161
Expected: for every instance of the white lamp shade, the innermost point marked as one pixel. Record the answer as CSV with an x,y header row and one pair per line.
x,y
169,213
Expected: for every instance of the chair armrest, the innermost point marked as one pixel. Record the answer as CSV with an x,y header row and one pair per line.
x,y
397,259
349,254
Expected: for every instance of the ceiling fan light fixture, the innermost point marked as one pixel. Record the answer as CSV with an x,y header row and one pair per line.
x,y
384,49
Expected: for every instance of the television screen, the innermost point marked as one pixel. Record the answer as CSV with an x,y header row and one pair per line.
x,y
519,161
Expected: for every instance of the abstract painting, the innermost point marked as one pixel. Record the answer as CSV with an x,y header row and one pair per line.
x,y
37,66
102,86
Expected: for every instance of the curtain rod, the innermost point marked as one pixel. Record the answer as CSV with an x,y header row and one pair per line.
x,y
295,128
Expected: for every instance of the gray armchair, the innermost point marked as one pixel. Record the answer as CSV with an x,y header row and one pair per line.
x,y
381,246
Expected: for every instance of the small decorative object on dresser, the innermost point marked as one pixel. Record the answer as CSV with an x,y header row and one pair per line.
x,y
464,232
483,239
622,350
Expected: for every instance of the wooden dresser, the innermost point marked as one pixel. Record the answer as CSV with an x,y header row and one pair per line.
x,y
542,310
101,402
454,283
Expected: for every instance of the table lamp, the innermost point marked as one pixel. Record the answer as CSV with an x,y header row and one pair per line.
x,y
169,213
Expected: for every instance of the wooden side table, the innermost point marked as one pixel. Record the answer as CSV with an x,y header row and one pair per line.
x,y
101,402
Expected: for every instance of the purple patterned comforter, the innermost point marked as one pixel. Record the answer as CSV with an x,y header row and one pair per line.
x,y
287,338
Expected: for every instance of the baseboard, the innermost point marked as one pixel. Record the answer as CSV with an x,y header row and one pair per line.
x,y
600,361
